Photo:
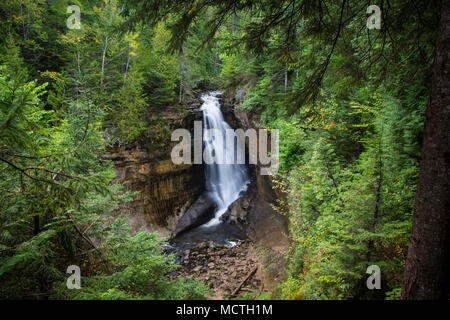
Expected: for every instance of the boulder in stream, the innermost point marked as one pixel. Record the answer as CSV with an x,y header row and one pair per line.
x,y
237,211
199,213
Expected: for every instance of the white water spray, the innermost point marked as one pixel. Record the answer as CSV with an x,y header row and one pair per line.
x,y
223,181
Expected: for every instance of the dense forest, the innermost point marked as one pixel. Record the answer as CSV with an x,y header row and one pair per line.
x,y
361,180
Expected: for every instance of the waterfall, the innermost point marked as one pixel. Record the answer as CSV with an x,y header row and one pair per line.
x,y
224,182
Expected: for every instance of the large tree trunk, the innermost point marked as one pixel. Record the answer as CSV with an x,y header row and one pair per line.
x,y
427,273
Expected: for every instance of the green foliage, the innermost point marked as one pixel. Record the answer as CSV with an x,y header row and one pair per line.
x,y
349,103
47,172
140,270
349,140
347,216
56,199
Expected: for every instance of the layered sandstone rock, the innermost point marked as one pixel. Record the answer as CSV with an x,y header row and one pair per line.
x,y
264,224
166,190
266,227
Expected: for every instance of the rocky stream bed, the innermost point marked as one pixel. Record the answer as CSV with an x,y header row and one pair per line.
x,y
228,271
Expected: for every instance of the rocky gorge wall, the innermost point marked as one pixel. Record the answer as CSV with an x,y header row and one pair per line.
x,y
267,228
165,190
264,224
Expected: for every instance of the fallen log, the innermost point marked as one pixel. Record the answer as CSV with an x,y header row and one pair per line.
x,y
243,281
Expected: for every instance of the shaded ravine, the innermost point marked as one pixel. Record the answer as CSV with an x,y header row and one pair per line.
x,y
238,226
224,182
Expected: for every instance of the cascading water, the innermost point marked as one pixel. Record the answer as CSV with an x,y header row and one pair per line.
x,y
224,182
226,179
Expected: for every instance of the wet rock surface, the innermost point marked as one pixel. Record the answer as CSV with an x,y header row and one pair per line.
x,y
220,234
238,210
222,268
200,212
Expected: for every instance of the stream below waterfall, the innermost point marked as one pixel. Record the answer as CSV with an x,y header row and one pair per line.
x,y
224,181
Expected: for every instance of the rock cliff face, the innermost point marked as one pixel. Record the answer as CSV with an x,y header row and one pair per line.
x,y
267,228
165,190
264,224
